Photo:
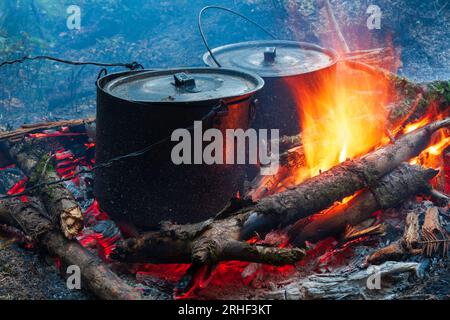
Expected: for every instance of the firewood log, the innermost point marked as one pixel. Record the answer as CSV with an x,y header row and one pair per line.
x,y
388,192
411,236
219,239
346,284
435,237
32,156
320,192
407,245
208,242
30,217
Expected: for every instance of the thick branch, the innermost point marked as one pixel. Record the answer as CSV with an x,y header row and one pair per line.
x,y
209,242
30,217
390,191
32,156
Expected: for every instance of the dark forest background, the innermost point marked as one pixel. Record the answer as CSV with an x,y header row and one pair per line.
x,y
161,34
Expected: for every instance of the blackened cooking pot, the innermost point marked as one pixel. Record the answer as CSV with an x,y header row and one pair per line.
x,y
294,72
283,65
139,109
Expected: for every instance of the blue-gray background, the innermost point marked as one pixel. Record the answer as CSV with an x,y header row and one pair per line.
x,y
164,34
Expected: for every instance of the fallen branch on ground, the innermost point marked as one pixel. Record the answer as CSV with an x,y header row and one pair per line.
x,y
30,218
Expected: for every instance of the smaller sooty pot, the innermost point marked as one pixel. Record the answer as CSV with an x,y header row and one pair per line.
x,y
291,71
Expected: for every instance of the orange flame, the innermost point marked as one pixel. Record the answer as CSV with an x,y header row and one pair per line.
x,y
342,117
432,156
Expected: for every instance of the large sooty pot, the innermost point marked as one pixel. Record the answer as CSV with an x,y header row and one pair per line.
x,y
141,108
293,72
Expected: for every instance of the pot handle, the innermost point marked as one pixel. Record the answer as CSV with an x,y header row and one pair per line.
x,y
202,34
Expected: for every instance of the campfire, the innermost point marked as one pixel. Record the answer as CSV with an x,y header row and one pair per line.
x,y
360,192
372,168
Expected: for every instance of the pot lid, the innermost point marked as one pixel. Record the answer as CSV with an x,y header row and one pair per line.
x,y
184,85
273,58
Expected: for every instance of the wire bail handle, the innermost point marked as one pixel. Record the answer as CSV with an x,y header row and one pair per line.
x,y
202,34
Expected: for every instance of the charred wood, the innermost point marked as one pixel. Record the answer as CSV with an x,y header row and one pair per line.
x,y
320,192
408,245
402,183
209,242
344,284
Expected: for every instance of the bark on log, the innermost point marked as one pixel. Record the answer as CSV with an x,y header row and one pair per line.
x,y
32,157
208,242
30,218
402,183
411,234
320,192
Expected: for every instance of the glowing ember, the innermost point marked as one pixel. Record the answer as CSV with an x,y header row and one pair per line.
x,y
18,188
418,124
63,131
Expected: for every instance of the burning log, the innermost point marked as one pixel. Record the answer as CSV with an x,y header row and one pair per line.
x,y
218,239
32,157
343,180
414,102
30,217
402,183
407,245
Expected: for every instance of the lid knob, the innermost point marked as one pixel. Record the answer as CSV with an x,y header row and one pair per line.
x,y
183,80
269,54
